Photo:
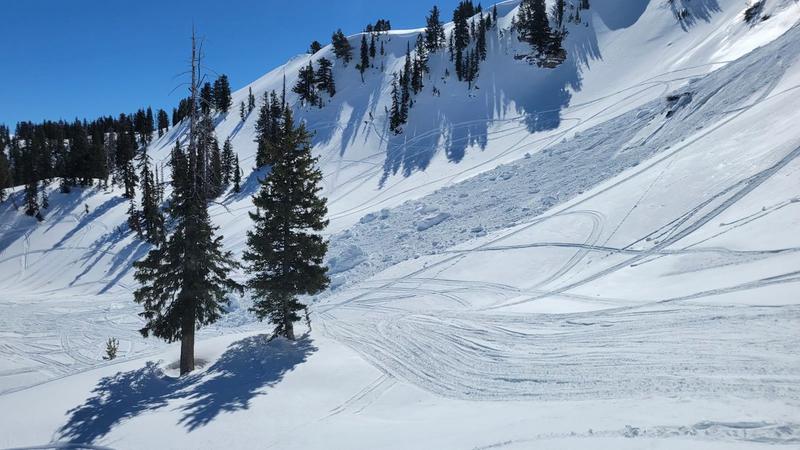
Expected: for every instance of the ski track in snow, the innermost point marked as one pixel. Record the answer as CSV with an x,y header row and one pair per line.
x,y
471,351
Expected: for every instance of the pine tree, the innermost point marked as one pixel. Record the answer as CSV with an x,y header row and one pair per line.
x,y
163,122
324,76
206,98
314,47
5,171
237,175
341,47
149,125
227,161
216,174
480,43
533,25
285,251
242,111
184,282
372,48
461,34
251,100
434,32
149,221
405,86
32,198
306,86
45,202
558,10
395,114
222,94
125,152
363,65
420,65
268,129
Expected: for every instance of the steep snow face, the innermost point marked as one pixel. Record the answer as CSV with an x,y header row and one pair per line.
x,y
524,146
660,272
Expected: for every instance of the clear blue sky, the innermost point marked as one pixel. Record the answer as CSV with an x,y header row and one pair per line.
x,y
85,58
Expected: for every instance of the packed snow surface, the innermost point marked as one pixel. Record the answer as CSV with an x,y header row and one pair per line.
x,y
603,255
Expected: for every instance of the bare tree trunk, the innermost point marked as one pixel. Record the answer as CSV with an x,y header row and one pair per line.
x,y
187,343
288,326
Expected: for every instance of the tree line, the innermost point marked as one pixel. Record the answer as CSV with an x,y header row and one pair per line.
x,y
466,46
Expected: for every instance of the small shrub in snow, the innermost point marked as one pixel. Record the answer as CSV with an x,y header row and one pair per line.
x,y
112,346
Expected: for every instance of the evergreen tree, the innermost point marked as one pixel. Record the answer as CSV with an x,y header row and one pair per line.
x,y
149,125
363,65
341,47
237,175
558,10
395,114
324,76
434,31
268,129
420,65
461,34
480,42
306,86
148,222
227,161
184,282
5,171
242,111
285,251
96,164
125,152
216,174
372,48
32,198
405,86
473,66
314,47
45,202
533,25
163,122
222,94
251,100
206,98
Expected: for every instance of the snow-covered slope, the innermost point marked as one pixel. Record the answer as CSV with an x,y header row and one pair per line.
x,y
610,243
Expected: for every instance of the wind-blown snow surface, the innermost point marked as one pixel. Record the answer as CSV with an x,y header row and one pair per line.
x,y
603,255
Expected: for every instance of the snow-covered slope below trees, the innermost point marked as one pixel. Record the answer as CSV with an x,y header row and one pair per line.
x,y
609,243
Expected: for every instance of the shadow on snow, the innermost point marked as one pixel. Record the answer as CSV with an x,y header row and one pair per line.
x,y
244,371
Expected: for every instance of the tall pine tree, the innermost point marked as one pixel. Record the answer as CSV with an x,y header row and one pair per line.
x,y
184,282
285,250
434,32
363,64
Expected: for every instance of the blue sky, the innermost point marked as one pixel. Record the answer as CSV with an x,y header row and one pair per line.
x,y
85,58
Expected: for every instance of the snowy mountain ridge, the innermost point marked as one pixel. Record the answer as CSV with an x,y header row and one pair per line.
x,y
611,243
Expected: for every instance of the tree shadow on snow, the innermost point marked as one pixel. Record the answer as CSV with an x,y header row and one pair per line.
x,y
244,371
246,368
117,398
688,12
